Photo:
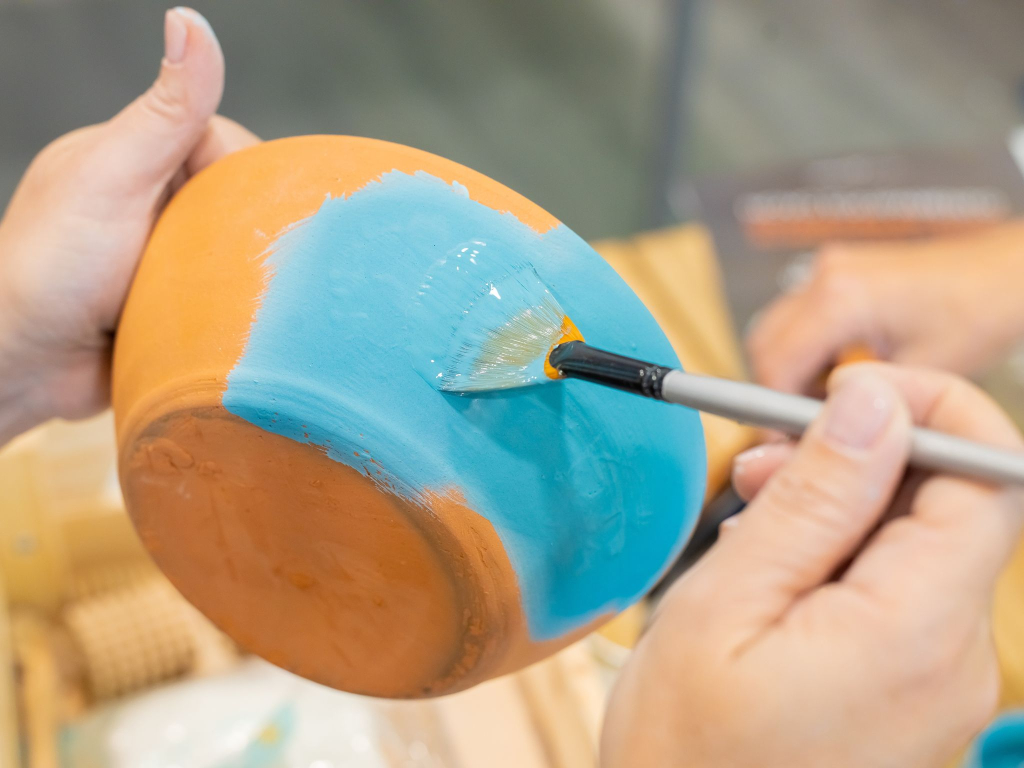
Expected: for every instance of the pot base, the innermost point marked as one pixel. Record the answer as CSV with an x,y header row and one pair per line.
x,y
310,564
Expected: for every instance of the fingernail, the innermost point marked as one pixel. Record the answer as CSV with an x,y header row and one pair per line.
x,y
742,461
175,36
197,17
859,410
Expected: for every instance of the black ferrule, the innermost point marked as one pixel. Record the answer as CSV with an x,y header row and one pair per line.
x,y
577,360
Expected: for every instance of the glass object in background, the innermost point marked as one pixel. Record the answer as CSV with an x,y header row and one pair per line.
x,y
255,716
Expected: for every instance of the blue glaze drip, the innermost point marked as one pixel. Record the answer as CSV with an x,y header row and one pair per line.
x,y
591,491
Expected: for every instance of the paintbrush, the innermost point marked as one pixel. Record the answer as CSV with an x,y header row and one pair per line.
x,y
516,334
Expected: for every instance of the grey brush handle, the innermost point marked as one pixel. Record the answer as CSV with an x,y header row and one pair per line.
x,y
792,414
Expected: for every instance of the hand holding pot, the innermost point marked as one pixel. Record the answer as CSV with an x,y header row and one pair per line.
x,y
78,222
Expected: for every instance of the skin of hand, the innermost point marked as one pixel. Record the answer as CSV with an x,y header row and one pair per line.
x,y
955,303
844,619
79,220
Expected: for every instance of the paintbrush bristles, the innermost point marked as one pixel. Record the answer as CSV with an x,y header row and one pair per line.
x,y
511,355
504,321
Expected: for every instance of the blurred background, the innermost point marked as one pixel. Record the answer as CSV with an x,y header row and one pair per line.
x,y
592,108
618,116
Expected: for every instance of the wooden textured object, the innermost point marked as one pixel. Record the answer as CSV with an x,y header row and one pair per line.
x,y
132,638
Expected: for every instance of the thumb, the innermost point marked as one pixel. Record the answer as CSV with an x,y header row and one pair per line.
x,y
816,510
151,137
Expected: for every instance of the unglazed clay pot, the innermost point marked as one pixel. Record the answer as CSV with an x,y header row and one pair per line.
x,y
303,484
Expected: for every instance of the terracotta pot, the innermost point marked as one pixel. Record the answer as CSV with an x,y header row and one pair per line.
x,y
300,481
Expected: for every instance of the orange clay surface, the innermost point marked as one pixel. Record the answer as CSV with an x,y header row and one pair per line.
x,y
305,561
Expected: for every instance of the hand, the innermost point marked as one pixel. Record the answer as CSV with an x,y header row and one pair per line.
x,y
955,303
844,619
78,222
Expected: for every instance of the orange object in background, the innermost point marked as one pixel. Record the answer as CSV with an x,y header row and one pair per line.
x,y
856,353
852,353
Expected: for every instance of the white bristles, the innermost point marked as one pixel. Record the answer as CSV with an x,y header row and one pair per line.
x,y
504,322
511,355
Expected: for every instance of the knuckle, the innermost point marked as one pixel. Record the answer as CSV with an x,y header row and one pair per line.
x,y
834,277
833,287
168,104
164,106
812,498
58,150
959,390
968,394
62,164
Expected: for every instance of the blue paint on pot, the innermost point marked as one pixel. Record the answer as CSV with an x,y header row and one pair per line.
x,y
592,492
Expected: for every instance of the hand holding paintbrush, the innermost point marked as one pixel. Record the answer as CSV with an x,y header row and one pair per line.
x,y
516,334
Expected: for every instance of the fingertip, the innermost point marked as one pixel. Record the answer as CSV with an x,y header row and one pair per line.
x,y
198,20
863,409
191,46
941,401
151,137
175,37
754,467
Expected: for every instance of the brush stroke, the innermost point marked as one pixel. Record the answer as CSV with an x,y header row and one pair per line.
x,y
592,492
